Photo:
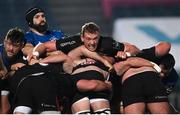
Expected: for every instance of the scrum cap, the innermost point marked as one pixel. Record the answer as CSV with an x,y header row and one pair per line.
x,y
31,13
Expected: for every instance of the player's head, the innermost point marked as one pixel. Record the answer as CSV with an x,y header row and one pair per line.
x,y
90,34
14,41
167,63
35,18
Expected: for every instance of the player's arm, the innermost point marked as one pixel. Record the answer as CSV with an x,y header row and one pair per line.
x,y
55,58
155,52
127,51
122,66
93,85
162,48
68,62
28,48
5,106
42,48
3,70
83,51
132,49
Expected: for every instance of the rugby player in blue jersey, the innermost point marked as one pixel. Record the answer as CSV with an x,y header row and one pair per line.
x,y
38,29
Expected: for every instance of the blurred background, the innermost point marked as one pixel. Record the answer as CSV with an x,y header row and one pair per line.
x,y
140,22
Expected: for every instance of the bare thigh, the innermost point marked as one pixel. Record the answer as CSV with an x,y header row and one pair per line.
x,y
82,105
159,108
103,104
135,108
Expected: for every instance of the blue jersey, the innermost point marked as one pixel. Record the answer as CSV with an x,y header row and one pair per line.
x,y
34,39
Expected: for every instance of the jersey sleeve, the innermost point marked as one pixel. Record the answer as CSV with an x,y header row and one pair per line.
x,y
29,38
109,47
148,54
59,34
68,43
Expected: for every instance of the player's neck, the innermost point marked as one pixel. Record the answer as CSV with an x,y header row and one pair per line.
x,y
38,33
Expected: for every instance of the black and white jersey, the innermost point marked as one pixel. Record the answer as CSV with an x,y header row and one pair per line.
x,y
106,46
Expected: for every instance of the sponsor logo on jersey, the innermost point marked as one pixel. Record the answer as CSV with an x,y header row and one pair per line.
x,y
160,97
68,43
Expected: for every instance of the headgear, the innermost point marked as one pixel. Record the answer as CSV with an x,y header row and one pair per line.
x,y
31,13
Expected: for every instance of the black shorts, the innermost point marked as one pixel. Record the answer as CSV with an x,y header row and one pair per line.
x,y
4,85
116,88
65,84
143,87
42,92
89,75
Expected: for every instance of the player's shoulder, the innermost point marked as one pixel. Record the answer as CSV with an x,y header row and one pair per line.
x,y
1,47
75,37
29,34
55,31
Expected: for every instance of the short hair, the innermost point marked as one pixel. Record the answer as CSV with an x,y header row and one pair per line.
x,y
15,35
90,27
168,61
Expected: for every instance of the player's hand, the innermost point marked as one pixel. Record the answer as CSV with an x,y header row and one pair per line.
x,y
84,61
33,61
121,54
3,73
16,66
68,65
33,55
109,65
109,85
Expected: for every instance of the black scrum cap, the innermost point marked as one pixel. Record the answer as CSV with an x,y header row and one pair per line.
x,y
31,13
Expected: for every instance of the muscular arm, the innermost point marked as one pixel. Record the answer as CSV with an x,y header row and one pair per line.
x,y
55,58
122,66
46,47
162,48
159,50
154,53
3,70
132,49
28,48
41,49
83,51
68,63
93,85
5,106
16,66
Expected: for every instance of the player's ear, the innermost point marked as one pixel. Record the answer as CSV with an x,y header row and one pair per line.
x,y
82,38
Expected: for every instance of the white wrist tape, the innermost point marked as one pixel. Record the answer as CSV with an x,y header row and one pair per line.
x,y
23,109
36,46
25,58
156,67
4,92
128,54
35,53
43,64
